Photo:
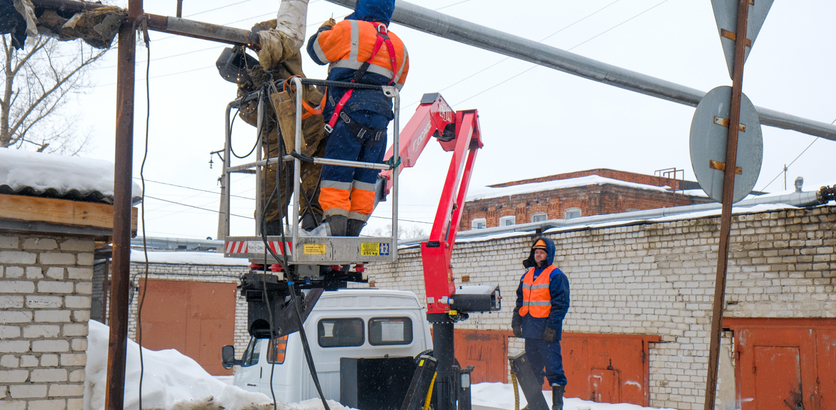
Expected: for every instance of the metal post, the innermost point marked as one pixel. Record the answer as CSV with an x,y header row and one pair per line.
x,y
120,286
728,194
395,158
223,215
297,163
445,381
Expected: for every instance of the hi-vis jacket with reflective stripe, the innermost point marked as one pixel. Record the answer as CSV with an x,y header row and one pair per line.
x,y
536,300
350,43
546,290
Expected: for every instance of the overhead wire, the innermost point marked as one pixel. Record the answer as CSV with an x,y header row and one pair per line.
x,y
793,161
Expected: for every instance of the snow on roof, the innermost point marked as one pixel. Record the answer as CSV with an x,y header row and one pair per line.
x,y
57,176
187,258
488,192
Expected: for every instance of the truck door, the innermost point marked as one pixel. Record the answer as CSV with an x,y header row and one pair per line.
x,y
248,376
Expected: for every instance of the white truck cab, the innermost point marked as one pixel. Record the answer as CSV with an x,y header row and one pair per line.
x,y
353,323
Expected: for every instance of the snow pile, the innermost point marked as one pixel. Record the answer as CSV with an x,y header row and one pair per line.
x,y
500,395
21,169
489,192
190,258
171,380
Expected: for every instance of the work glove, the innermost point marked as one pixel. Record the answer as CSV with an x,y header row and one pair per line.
x,y
327,25
549,335
517,330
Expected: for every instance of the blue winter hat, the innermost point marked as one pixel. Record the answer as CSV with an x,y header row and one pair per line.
x,y
379,11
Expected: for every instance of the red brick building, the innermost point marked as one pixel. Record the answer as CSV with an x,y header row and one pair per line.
x,y
572,195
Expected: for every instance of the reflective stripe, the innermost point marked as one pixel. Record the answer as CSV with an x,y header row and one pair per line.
x,y
336,211
536,286
365,186
358,216
536,303
319,53
335,184
355,41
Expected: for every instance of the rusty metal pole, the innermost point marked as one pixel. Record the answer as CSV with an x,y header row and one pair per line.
x,y
120,286
728,194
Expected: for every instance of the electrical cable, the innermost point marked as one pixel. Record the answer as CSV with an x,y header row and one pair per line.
x,y
195,189
231,149
144,243
793,161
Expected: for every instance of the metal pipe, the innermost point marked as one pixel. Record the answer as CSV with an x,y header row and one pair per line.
x,y
396,136
451,28
120,285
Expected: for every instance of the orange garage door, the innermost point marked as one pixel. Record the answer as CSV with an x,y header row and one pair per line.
x,y
196,318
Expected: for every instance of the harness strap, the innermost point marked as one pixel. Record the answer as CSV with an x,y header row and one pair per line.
x,y
382,37
367,136
309,111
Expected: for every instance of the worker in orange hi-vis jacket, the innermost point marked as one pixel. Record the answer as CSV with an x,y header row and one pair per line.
x,y
542,304
359,49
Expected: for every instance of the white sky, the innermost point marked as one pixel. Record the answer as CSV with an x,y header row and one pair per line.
x,y
535,121
172,380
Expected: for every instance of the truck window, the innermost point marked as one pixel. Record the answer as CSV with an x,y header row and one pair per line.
x,y
341,332
390,331
252,353
277,350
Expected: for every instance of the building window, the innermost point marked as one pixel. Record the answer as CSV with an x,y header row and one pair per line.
x,y
507,220
479,223
572,213
539,217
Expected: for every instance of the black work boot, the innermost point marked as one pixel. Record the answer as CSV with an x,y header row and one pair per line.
x,y
557,396
309,222
337,224
354,227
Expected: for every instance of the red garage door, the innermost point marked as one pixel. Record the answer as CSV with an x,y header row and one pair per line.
x,y
784,363
196,318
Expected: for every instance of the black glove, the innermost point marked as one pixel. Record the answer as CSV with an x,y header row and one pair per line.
x,y
549,335
517,330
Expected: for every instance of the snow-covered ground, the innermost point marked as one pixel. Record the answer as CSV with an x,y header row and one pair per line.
x,y
173,381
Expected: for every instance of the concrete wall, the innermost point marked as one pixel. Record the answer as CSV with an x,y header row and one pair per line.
x,y
658,278
45,288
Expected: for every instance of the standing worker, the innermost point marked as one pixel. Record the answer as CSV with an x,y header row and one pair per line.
x,y
359,49
278,43
542,303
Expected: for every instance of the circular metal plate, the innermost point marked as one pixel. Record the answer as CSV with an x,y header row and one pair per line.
x,y
708,143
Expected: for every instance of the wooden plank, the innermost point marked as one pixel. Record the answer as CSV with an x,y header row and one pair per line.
x,y
60,212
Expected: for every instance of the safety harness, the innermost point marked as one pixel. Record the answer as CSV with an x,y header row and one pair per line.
x,y
360,131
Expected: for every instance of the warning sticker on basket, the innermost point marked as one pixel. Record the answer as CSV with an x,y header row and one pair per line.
x,y
374,249
314,249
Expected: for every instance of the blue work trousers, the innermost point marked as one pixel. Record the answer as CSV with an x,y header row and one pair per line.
x,y
542,354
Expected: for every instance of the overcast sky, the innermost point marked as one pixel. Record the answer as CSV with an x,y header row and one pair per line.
x,y
535,121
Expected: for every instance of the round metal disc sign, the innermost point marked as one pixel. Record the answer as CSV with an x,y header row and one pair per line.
x,y
709,132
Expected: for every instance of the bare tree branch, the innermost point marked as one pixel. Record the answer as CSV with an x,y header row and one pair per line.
x,y
37,84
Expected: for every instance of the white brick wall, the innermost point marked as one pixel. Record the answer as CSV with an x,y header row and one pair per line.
x,y
43,312
658,279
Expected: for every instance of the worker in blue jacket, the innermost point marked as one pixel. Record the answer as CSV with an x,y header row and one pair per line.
x,y
359,49
542,303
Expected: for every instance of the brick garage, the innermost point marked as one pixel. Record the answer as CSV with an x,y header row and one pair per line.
x,y
657,279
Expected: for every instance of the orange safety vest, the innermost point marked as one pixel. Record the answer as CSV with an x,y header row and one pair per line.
x,y
537,300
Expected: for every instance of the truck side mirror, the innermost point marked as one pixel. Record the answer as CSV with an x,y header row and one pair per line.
x,y
228,357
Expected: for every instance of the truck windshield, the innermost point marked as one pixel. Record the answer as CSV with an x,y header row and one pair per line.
x,y
252,353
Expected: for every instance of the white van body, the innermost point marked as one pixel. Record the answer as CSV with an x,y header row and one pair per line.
x,y
382,312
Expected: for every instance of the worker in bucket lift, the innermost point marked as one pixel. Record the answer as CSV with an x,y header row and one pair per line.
x,y
359,49
279,43
542,303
